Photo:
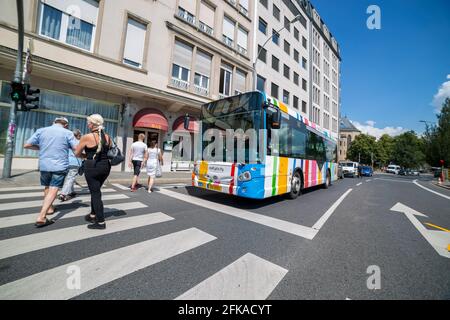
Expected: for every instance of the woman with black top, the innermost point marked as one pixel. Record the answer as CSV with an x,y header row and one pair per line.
x,y
95,146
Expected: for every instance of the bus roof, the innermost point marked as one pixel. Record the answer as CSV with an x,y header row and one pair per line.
x,y
284,108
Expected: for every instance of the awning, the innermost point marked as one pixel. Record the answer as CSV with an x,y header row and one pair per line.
x,y
178,124
150,118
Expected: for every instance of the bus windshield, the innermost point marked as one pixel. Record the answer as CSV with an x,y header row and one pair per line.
x,y
239,112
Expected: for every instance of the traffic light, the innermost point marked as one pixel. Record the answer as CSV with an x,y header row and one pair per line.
x,y
17,92
31,98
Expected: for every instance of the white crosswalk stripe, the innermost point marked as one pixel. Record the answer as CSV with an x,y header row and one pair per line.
x,y
22,219
40,194
38,203
15,246
121,187
248,278
104,268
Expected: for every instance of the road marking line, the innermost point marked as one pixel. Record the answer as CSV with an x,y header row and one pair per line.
x,y
274,223
435,192
319,224
120,186
9,189
38,203
248,278
15,246
437,239
39,194
368,180
100,269
359,184
437,227
392,180
22,219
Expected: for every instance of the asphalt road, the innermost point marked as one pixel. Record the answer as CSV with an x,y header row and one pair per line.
x,y
189,243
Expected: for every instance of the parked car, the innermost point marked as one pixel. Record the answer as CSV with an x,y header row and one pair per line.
x,y
340,171
414,172
366,171
392,168
402,172
350,168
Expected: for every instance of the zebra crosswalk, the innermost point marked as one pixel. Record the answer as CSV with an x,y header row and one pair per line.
x,y
248,277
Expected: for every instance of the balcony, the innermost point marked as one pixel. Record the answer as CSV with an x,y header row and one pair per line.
x,y
243,10
186,16
242,50
180,84
227,41
201,90
205,28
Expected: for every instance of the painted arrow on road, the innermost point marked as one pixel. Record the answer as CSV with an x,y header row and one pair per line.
x,y
439,240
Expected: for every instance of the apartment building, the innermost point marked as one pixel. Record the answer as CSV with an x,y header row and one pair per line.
x,y
300,64
142,64
347,134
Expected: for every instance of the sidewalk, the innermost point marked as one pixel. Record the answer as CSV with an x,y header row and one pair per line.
x,y
24,178
445,185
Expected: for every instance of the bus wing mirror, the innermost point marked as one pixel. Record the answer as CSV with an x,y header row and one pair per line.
x,y
186,122
276,120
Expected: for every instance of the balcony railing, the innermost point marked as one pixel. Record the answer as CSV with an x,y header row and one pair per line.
x,y
227,41
205,28
201,91
222,96
180,84
243,10
232,2
241,50
186,16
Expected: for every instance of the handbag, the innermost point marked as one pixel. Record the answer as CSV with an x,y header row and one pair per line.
x,y
81,168
114,154
158,172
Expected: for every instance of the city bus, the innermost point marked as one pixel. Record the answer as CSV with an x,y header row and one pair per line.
x,y
302,156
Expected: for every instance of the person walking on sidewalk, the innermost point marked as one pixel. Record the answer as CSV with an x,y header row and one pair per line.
x,y
136,159
153,161
53,144
97,167
68,190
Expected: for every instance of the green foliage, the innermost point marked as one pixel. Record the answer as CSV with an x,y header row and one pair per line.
x,y
407,150
437,138
384,150
362,149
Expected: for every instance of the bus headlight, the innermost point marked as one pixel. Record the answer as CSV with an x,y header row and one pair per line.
x,y
245,176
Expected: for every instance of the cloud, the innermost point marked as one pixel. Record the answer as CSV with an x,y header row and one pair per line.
x,y
370,129
439,97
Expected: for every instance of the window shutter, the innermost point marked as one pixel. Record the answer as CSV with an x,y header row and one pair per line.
x,y
242,38
207,14
240,81
135,41
182,55
188,5
228,28
203,63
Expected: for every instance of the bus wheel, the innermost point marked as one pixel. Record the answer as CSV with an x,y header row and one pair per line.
x,y
327,181
296,186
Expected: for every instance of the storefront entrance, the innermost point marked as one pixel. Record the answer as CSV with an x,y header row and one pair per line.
x,y
150,135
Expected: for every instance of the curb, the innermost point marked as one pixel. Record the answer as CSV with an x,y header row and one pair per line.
x,y
440,185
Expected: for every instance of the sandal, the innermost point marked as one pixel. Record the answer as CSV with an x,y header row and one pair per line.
x,y
44,224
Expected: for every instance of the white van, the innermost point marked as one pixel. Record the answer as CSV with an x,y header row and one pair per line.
x,y
392,168
350,168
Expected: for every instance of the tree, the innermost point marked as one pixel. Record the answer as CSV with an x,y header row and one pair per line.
x,y
362,149
437,138
407,150
384,149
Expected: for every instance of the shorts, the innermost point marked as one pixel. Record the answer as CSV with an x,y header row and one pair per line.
x,y
137,167
53,179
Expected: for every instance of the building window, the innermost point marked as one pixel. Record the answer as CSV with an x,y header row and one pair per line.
x,y
264,3
57,23
242,41
228,31
304,85
262,54
261,83
275,63
186,15
296,34
262,26
285,97
275,37
296,56
206,18
243,7
304,42
287,72
304,63
304,106
276,12
134,44
287,47
295,102
182,59
240,81
287,24
203,63
226,76
296,78
274,91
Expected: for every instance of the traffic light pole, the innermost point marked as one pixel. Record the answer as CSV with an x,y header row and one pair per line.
x,y
17,78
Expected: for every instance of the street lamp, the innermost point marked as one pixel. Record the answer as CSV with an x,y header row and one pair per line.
x,y
255,80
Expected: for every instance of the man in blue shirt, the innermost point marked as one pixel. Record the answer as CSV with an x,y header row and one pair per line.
x,y
53,143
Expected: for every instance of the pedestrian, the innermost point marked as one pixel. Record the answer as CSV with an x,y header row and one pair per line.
x,y
97,167
136,159
68,190
153,161
53,144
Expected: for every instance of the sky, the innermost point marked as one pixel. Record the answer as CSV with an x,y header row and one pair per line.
x,y
393,77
